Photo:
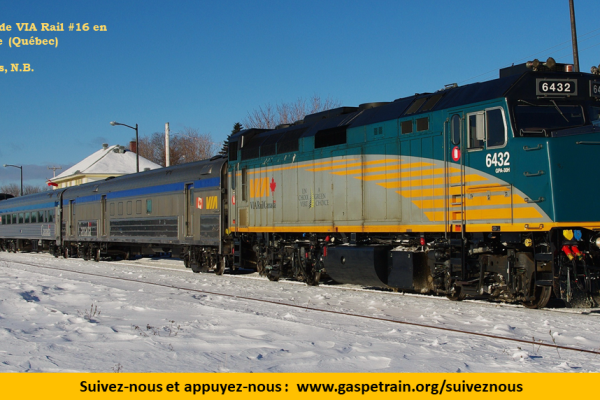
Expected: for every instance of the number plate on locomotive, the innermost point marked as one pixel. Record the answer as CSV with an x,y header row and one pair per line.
x,y
556,87
595,89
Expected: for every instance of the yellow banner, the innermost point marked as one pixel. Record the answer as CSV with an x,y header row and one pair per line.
x,y
63,386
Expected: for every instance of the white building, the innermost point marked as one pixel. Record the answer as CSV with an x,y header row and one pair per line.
x,y
106,162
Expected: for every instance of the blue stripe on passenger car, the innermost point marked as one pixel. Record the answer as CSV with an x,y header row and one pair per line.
x,y
145,191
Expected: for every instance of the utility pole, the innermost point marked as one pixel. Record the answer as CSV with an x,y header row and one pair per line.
x,y
54,171
167,151
574,37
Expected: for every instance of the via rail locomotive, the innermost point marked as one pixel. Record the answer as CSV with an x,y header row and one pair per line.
x,y
479,190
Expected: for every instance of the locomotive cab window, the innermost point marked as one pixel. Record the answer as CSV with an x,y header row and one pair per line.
x,y
486,129
475,127
495,128
540,119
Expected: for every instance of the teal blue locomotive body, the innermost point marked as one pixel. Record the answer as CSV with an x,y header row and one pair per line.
x,y
486,187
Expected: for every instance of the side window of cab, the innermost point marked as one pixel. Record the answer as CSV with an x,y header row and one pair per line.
x,y
487,129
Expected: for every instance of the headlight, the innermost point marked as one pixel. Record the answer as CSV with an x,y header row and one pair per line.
x,y
597,241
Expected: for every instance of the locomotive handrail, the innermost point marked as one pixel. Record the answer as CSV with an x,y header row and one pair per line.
x,y
539,200
594,143
538,147
540,172
540,226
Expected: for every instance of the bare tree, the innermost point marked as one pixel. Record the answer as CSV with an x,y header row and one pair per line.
x,y
153,148
15,190
269,116
185,146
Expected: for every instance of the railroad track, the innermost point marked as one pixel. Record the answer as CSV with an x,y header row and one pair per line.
x,y
314,309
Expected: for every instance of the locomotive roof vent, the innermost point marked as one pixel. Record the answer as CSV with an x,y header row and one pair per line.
x,y
334,112
449,86
366,106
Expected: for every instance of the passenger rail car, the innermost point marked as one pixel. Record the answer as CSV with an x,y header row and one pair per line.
x,y
480,190
28,223
178,209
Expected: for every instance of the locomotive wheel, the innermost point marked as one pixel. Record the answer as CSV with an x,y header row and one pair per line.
x,y
542,296
86,253
313,279
457,295
260,267
97,255
221,266
195,266
66,252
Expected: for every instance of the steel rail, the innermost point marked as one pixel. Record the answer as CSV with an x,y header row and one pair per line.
x,y
381,319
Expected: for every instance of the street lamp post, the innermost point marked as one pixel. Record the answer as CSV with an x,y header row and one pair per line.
x,y
21,168
137,144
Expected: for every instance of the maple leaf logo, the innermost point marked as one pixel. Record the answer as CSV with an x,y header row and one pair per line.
x,y
273,185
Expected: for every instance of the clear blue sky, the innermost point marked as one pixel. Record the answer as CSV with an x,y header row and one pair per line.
x,y
206,64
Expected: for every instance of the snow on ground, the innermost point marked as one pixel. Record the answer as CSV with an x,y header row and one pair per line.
x,y
58,321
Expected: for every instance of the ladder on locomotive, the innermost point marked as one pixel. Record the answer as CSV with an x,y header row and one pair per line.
x,y
454,199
